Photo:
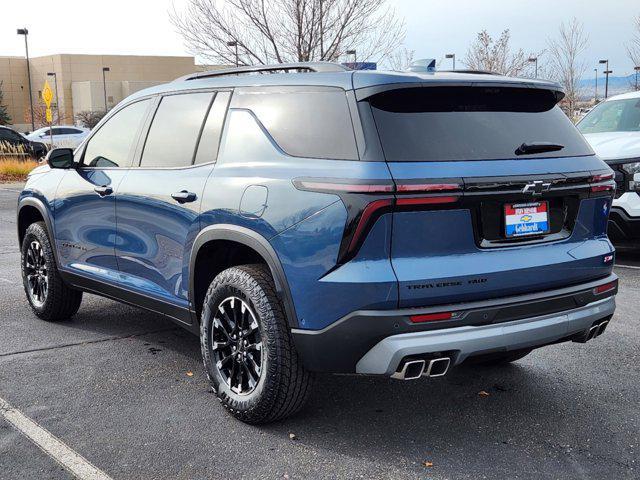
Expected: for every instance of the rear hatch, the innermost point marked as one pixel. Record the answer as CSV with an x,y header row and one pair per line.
x,y
497,192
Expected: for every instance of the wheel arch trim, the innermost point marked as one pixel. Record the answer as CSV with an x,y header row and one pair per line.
x,y
46,215
256,242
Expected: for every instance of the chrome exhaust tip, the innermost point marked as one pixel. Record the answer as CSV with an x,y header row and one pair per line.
x,y
593,332
411,370
602,327
438,367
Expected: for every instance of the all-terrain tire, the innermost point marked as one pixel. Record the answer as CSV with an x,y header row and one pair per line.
x,y
284,384
60,301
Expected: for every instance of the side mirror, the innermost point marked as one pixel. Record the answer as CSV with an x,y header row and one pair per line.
x,y
60,158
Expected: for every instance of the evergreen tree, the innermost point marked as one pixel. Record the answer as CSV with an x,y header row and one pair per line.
x,y
5,118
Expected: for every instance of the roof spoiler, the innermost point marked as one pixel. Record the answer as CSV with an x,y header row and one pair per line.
x,y
315,67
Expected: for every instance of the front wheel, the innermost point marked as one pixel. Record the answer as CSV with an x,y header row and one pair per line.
x,y
247,348
50,298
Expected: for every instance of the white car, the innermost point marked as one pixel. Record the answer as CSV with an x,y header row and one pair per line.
x,y
63,135
613,130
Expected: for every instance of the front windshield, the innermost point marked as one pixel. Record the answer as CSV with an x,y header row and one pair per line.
x,y
613,116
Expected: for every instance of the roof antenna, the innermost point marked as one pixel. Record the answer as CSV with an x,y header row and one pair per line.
x,y
423,65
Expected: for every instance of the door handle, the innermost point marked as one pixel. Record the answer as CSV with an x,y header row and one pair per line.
x,y
104,190
183,196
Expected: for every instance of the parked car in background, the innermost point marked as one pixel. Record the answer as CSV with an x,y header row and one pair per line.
x,y
63,136
613,130
331,220
12,142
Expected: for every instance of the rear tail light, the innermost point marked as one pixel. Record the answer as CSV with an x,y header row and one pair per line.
x,y
426,200
607,287
367,200
371,212
603,182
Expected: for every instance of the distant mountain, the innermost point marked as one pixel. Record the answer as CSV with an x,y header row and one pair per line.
x,y
616,85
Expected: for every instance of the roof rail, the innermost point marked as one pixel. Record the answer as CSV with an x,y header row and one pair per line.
x,y
275,68
475,72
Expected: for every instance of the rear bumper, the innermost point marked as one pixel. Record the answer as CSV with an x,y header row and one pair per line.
x,y
374,342
384,357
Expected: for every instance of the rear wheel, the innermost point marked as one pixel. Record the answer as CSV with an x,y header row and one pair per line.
x,y
50,298
247,348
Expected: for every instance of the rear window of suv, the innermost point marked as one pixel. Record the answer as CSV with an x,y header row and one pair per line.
x,y
471,123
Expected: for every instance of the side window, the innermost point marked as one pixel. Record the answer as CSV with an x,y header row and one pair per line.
x,y
210,138
304,121
111,145
172,138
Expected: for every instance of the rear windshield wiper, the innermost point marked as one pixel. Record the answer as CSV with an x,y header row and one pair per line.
x,y
538,147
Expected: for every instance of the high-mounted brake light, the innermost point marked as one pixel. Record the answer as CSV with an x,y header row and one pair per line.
x,y
431,317
607,287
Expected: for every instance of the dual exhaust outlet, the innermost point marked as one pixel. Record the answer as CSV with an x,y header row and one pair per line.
x,y
594,331
597,330
414,369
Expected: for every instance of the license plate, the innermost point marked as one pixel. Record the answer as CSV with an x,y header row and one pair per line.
x,y
522,219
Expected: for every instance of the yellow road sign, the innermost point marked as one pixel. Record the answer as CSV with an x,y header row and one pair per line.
x,y
49,115
47,94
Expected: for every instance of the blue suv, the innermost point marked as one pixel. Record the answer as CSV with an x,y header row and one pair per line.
x,y
305,218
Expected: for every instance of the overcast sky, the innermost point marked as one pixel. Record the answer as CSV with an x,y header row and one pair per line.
x,y
434,27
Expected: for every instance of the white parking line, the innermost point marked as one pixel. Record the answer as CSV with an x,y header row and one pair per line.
x,y
633,267
61,453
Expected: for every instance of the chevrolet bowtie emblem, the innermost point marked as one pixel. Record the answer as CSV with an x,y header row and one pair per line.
x,y
536,188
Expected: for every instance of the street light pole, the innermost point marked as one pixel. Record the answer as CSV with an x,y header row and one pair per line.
x,y
55,80
104,86
452,56
25,32
606,81
355,57
535,59
234,43
596,95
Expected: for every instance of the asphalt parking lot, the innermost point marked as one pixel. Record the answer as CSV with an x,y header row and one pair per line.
x,y
114,385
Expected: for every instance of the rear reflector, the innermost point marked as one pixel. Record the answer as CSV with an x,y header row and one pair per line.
x,y
607,287
431,317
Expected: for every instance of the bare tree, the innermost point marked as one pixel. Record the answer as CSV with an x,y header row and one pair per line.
x,y
566,65
90,118
277,31
40,116
491,55
399,59
633,47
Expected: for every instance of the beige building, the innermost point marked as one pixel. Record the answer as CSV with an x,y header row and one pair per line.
x,y
80,83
